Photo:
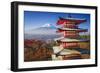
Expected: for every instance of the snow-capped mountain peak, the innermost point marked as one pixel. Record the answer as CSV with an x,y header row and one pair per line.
x,y
46,25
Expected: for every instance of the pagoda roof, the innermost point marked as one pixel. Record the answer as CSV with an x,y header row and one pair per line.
x,y
70,20
68,52
57,49
72,29
62,39
61,51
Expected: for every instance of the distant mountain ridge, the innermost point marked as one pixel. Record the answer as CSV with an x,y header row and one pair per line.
x,y
42,33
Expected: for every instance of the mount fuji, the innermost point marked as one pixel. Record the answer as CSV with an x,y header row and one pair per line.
x,y
45,32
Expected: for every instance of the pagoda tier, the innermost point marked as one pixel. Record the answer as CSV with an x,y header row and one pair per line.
x,y
69,43
71,33
70,21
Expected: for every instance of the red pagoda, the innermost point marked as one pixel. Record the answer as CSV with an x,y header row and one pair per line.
x,y
70,39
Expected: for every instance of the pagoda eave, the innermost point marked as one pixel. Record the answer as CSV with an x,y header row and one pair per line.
x,y
67,52
69,29
73,41
69,40
70,20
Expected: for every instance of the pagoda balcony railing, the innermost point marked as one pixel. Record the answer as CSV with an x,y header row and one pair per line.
x,y
71,56
70,45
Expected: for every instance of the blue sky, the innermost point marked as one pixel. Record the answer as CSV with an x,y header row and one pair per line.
x,y
33,19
